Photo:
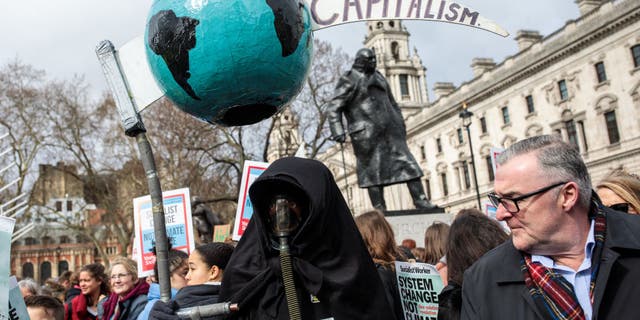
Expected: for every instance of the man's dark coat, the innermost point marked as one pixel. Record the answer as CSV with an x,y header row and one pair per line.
x,y
494,286
376,127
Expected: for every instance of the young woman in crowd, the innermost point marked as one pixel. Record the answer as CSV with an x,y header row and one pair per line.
x,y
206,268
178,269
94,288
470,237
435,242
620,191
128,293
380,241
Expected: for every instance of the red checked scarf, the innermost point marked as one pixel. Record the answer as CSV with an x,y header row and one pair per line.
x,y
552,289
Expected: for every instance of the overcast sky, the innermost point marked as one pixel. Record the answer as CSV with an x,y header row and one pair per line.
x,y
60,36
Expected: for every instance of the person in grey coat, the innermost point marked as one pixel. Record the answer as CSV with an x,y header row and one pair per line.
x,y
569,257
377,131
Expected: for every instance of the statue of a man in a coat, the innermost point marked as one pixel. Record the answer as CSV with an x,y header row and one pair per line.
x,y
377,131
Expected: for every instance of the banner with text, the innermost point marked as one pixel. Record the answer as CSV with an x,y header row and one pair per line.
x,y
327,13
178,223
251,171
419,285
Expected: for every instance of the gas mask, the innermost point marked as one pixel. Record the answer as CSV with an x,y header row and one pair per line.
x,y
285,216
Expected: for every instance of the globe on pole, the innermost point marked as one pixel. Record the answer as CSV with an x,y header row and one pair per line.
x,y
231,62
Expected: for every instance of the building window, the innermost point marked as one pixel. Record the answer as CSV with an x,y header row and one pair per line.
x,y
438,145
59,206
65,239
460,136
404,86
423,153
69,205
505,115
395,49
572,133
445,188
562,87
600,72
530,107
427,188
584,136
30,241
612,127
489,167
465,173
635,52
483,125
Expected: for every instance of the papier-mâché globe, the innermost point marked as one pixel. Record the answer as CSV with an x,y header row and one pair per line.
x,y
232,62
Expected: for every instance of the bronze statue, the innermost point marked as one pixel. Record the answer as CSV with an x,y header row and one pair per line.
x,y
203,219
377,131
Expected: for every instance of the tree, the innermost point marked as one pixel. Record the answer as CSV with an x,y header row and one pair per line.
x,y
327,67
21,104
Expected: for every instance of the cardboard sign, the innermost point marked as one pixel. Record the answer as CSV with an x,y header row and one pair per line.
x,y
221,232
6,232
251,171
419,285
178,223
327,13
17,307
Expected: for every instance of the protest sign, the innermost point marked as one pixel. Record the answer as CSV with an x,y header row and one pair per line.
x,y
221,232
326,13
494,153
412,226
419,285
178,223
6,232
251,171
17,307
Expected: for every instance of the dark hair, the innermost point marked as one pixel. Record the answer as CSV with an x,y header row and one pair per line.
x,y
470,237
97,272
215,254
175,258
50,304
450,302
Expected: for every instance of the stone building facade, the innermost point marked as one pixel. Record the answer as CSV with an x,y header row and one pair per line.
x,y
50,248
581,82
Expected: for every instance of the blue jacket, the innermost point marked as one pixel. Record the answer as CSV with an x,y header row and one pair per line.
x,y
152,297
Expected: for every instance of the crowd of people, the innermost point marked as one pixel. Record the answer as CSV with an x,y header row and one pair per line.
x,y
570,252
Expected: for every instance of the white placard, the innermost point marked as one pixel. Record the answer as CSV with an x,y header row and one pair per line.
x,y
250,172
178,223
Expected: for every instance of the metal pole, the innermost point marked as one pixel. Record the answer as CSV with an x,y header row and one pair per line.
x,y
134,127
473,162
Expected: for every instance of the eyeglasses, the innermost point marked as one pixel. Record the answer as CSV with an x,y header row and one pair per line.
x,y
119,276
511,204
622,207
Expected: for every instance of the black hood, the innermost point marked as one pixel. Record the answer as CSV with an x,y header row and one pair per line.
x,y
330,259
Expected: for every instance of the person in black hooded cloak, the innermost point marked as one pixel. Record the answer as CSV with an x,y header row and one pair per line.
x,y
330,261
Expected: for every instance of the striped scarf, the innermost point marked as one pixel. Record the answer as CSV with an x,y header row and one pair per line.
x,y
552,289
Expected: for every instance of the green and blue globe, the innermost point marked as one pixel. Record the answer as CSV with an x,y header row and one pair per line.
x,y
231,62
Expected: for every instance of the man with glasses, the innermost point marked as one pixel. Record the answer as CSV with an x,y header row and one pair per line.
x,y
568,258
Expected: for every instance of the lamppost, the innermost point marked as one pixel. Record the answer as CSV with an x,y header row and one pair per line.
x,y
466,115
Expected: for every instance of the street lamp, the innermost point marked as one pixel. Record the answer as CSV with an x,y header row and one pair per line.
x,y
466,115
